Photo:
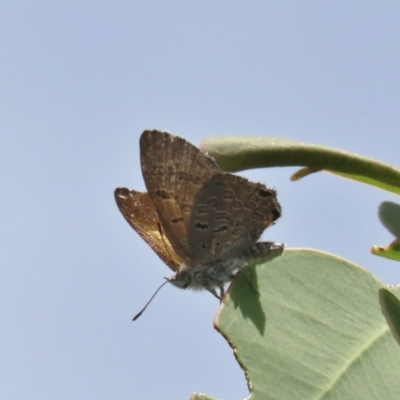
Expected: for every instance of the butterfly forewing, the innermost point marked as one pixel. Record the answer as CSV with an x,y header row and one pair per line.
x,y
174,171
229,215
139,211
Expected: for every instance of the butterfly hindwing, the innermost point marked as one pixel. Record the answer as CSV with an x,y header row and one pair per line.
x,y
229,215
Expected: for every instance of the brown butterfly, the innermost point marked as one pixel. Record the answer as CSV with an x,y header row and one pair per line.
x,y
203,223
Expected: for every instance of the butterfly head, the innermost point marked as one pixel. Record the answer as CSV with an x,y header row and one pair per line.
x,y
182,279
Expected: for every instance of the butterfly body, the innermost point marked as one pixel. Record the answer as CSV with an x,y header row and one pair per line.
x,y
216,273
203,223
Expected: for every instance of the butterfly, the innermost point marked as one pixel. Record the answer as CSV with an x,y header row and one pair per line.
x,y
202,222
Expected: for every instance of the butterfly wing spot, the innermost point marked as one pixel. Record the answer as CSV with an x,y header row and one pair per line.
x,y
163,194
221,215
202,227
177,220
213,203
161,170
250,205
182,176
189,178
202,209
228,195
220,229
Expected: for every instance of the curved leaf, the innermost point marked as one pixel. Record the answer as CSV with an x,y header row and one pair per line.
x,y
390,305
392,252
307,325
389,214
240,153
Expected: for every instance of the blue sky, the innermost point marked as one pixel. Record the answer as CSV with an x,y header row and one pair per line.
x,y
79,82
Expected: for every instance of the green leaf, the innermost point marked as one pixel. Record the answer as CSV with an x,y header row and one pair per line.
x,y
389,214
307,325
240,153
391,252
390,305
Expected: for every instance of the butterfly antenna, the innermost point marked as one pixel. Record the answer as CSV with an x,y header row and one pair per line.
x,y
152,297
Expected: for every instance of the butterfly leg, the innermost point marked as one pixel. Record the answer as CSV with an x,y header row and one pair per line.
x,y
214,293
222,292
